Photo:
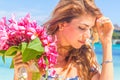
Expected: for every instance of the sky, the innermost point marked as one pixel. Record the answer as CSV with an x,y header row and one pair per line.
x,y
40,10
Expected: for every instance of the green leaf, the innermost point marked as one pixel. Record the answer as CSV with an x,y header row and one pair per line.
x,y
36,45
3,58
46,60
36,75
12,64
2,52
29,54
23,46
11,51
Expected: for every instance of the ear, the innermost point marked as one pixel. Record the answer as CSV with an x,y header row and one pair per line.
x,y
62,25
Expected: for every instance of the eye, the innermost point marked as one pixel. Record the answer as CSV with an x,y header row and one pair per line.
x,y
81,28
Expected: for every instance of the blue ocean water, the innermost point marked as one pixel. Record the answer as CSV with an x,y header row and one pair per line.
x,y
7,74
116,58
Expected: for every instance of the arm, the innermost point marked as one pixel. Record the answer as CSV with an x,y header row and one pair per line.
x,y
107,68
105,30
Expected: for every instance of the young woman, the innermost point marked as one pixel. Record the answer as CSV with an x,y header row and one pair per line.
x,y
73,23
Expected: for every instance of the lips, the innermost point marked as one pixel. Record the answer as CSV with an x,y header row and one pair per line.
x,y
83,42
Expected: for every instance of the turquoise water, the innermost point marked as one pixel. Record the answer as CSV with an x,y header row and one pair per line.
x,y
7,74
116,58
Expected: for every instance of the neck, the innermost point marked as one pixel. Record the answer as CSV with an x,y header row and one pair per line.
x,y
62,47
63,52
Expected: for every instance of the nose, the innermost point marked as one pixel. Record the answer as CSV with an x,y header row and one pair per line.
x,y
86,34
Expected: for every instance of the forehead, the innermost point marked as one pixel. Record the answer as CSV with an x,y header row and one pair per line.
x,y
85,20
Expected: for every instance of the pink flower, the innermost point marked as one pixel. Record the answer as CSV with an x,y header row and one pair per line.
x,y
3,34
50,49
41,63
15,32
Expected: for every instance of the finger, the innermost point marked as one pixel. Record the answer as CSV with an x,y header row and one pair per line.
x,y
108,26
18,61
30,62
21,63
101,24
99,27
18,55
108,23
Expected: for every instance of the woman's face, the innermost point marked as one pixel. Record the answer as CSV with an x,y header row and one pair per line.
x,y
77,31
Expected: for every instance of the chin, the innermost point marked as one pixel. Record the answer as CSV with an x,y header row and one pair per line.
x,y
78,47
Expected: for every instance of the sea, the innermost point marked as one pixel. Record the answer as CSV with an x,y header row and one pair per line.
x,y
8,74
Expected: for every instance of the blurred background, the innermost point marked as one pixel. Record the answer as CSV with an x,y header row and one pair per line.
x,y
40,10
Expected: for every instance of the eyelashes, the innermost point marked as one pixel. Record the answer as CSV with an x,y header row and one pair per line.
x,y
82,28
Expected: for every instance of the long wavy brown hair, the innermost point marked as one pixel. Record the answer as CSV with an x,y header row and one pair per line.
x,y
84,58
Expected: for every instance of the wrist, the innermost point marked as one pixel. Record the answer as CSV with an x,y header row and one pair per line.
x,y
107,61
107,51
106,42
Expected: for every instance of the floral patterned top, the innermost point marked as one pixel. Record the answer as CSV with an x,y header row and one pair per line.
x,y
53,76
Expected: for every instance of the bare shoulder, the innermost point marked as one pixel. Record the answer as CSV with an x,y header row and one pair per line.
x,y
96,76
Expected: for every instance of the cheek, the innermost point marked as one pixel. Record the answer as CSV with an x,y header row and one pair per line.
x,y
75,37
72,36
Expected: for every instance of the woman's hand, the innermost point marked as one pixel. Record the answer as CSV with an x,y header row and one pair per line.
x,y
105,29
18,63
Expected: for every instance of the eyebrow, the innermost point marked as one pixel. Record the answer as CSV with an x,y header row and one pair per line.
x,y
87,25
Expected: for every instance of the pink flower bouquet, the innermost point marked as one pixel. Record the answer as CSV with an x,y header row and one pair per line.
x,y
28,38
